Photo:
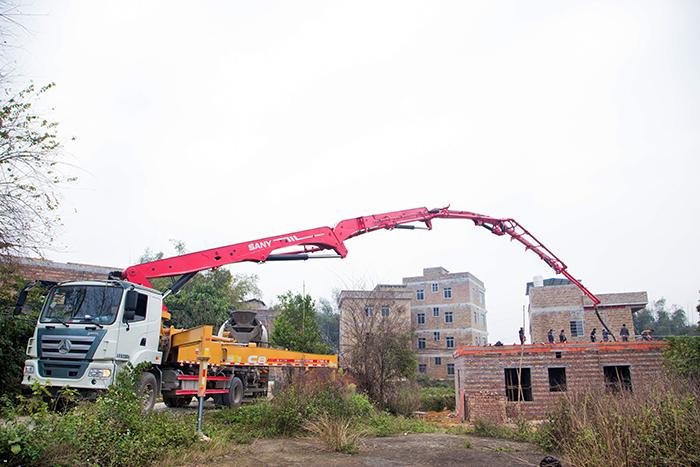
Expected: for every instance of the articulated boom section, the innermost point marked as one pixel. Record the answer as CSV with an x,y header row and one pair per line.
x,y
333,238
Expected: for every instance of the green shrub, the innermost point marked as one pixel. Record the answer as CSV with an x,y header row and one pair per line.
x,y
437,399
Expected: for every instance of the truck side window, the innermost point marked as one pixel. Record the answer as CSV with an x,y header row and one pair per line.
x,y
140,314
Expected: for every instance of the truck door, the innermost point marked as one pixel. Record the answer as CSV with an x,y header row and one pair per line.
x,y
138,337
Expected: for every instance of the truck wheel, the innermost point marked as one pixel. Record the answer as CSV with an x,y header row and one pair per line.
x,y
177,402
147,391
234,396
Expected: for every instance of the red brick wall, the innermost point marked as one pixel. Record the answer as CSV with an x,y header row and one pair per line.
x,y
483,370
36,269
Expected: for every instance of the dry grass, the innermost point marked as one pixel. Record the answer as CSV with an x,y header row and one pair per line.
x,y
336,434
653,426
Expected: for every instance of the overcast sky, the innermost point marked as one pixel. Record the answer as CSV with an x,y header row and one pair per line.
x,y
218,122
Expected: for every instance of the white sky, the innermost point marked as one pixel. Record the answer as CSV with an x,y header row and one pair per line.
x,y
218,122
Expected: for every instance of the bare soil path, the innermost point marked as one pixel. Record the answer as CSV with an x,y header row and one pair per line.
x,y
415,450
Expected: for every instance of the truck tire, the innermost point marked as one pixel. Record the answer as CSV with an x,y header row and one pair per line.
x,y
177,402
234,396
147,391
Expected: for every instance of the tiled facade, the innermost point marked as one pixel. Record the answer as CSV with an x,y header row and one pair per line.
x,y
558,304
447,310
487,377
363,311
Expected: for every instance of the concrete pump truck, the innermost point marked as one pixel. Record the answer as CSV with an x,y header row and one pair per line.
x,y
88,330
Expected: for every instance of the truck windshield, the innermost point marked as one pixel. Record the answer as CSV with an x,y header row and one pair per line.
x,y
82,304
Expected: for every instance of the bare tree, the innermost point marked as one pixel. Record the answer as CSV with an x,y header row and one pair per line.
x,y
30,154
376,337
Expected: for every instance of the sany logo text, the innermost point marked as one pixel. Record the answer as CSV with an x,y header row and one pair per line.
x,y
259,360
258,245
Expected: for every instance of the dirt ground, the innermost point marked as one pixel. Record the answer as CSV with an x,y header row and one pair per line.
x,y
418,450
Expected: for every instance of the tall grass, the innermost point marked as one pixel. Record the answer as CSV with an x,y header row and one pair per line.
x,y
655,425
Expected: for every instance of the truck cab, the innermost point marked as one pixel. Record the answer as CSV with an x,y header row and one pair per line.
x,y
87,330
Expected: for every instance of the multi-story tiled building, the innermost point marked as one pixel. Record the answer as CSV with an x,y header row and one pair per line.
x,y
447,310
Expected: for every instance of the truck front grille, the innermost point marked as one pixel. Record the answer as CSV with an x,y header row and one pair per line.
x,y
66,346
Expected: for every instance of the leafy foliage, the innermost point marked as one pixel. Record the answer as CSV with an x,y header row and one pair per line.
x,y
30,151
111,432
15,331
328,321
682,356
206,298
296,328
664,321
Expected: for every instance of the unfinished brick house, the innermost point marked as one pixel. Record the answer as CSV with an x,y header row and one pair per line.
x,y
488,377
514,381
558,304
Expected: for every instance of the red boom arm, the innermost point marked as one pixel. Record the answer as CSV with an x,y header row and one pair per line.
x,y
333,238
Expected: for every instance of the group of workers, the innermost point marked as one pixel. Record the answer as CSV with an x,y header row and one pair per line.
x,y
624,335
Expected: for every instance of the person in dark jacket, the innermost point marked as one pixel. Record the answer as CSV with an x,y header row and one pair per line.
x,y
593,335
605,335
550,336
562,336
625,333
521,334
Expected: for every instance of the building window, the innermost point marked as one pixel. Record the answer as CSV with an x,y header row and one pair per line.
x,y
421,318
473,294
576,328
450,369
476,341
436,311
557,379
385,310
422,368
483,320
369,311
421,342
420,295
475,320
518,384
436,335
481,297
436,288
447,292
450,342
483,340
617,378
438,361
448,317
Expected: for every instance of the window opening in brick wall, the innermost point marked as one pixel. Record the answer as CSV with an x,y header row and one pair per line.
x,y
476,341
483,320
436,336
481,296
518,384
385,310
421,342
420,295
422,368
447,292
448,317
369,311
438,361
475,320
483,341
450,342
436,311
420,317
436,288
450,369
557,379
617,378
576,328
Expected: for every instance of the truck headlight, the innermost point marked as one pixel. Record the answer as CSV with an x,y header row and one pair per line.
x,y
28,370
98,373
